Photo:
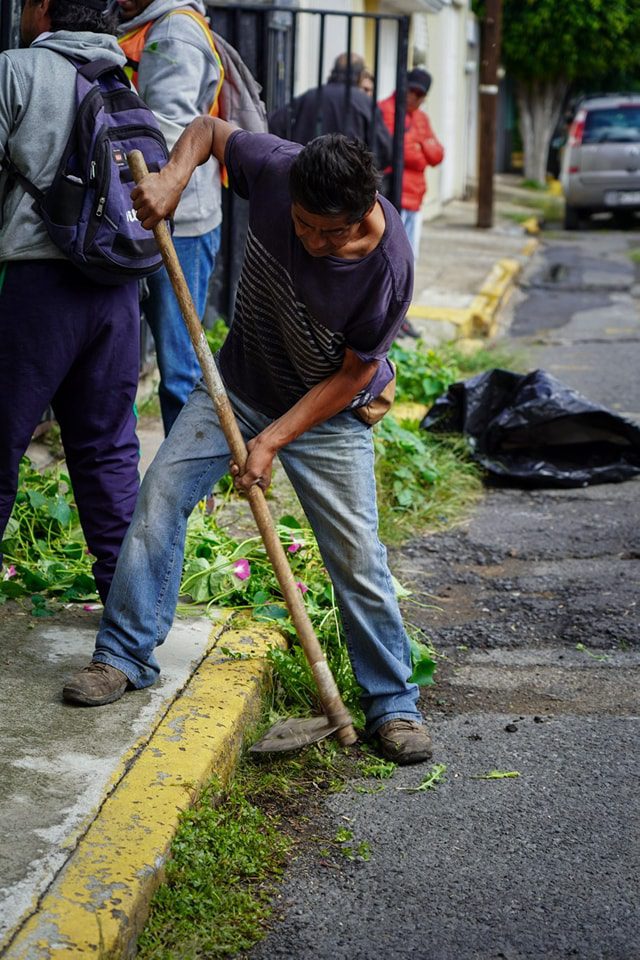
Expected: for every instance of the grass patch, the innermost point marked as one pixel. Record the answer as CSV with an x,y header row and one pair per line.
x,y
424,481
516,216
634,255
225,860
231,849
551,208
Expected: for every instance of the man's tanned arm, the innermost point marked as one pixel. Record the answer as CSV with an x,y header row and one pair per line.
x,y
320,403
156,196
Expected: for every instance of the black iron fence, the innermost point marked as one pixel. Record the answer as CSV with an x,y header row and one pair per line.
x,y
10,23
268,39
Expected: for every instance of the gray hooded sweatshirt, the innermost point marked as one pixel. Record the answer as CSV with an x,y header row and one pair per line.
x,y
177,78
37,109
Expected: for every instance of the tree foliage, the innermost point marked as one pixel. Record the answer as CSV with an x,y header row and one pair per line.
x,y
552,46
576,41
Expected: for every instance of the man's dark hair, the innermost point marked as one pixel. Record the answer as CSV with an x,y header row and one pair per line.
x,y
334,175
94,16
347,69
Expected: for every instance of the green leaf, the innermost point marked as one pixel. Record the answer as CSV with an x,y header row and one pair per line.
x,y
35,581
290,522
423,664
36,499
260,597
400,591
271,611
11,529
9,588
60,510
496,775
423,672
430,781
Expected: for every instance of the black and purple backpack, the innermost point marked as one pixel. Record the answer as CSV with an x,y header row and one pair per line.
x,y
87,209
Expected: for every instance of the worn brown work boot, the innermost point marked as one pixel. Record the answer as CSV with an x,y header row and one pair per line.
x,y
94,685
404,741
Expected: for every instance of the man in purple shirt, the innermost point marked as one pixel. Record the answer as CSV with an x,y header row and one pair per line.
x,y
325,285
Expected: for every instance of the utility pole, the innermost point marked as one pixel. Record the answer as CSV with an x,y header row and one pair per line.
x,y
490,37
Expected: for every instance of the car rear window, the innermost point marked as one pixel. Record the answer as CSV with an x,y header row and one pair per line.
x,y
612,125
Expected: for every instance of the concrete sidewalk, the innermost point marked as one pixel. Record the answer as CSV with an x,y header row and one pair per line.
x,y
90,799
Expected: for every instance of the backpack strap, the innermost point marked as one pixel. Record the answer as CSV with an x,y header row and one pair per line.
x,y
14,174
98,68
90,70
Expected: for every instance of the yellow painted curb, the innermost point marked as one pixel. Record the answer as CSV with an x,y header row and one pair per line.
x,y
530,247
99,902
408,411
455,315
480,318
485,305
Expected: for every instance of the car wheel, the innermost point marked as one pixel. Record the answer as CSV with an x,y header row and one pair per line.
x,y
571,217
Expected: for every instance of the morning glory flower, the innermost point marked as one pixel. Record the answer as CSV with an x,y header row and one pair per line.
x,y
295,545
10,572
302,587
241,569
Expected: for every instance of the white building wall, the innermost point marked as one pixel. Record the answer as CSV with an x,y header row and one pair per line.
x,y
335,40
450,103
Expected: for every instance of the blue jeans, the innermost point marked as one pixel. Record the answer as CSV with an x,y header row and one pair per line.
x,y
177,362
331,469
412,220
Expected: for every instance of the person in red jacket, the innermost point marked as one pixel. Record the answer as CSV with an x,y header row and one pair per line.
x,y
421,150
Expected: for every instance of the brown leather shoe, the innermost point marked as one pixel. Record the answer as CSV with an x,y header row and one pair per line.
x,y
404,741
94,685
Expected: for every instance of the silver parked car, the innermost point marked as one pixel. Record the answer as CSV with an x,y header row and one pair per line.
x,y
601,160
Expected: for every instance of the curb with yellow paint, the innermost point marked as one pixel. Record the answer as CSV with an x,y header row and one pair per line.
x,y
480,318
99,901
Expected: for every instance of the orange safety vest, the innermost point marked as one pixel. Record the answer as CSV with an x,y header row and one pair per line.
x,y
133,44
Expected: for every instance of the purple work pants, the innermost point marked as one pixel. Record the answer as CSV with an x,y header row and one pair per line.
x,y
73,344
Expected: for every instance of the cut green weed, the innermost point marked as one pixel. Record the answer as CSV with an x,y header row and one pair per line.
x,y
430,781
43,546
497,775
375,767
352,851
594,656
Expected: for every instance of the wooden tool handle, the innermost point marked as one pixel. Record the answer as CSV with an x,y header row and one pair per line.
x,y
330,697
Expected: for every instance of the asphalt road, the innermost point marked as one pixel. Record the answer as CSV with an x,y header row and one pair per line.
x,y
534,603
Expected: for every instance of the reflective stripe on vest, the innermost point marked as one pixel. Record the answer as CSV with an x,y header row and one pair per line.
x,y
133,44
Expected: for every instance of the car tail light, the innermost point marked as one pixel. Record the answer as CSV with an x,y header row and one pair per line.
x,y
577,128
574,169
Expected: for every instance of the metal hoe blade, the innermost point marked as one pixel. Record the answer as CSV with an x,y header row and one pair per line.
x,y
293,734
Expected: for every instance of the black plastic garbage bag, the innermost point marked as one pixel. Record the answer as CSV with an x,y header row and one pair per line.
x,y
535,429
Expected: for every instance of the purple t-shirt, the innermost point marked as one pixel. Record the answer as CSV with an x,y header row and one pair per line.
x,y
295,314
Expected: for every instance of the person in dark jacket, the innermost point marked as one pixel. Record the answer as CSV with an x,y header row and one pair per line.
x,y
339,106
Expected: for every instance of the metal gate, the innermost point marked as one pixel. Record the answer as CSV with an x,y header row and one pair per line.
x,y
10,11
268,40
